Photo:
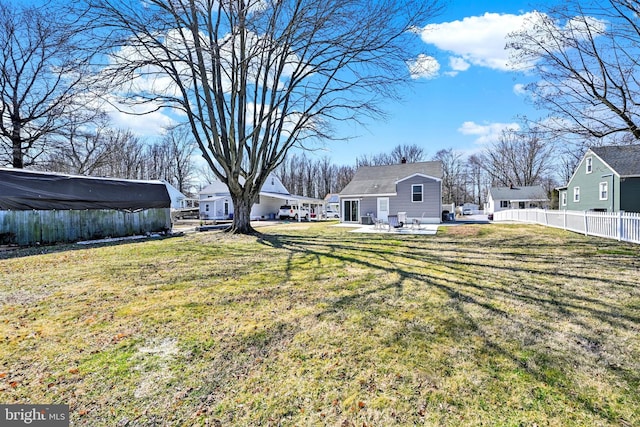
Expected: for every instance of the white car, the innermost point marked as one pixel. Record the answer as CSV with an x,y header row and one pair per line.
x,y
292,211
330,213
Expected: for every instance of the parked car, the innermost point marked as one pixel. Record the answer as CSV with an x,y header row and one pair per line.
x,y
291,212
466,212
330,213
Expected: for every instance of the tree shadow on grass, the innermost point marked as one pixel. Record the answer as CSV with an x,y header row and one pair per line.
x,y
10,252
554,313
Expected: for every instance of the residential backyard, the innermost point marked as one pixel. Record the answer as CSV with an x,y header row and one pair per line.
x,y
309,324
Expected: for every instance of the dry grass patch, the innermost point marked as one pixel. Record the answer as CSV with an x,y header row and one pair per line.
x,y
492,324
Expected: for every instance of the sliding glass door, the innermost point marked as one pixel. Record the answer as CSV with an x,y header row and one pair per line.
x,y
350,210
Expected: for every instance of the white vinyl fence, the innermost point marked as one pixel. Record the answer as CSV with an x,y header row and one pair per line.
x,y
622,226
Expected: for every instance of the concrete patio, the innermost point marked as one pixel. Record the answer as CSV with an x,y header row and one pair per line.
x,y
425,229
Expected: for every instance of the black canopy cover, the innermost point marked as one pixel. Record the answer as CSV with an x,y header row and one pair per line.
x,y
29,190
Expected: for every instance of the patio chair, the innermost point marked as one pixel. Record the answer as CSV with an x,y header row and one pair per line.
x,y
402,218
376,222
416,222
392,222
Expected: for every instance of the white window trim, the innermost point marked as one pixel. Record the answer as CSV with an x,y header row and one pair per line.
x,y
589,165
606,187
564,198
421,193
576,194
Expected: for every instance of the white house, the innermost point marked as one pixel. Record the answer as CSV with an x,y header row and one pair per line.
x,y
216,204
178,199
502,198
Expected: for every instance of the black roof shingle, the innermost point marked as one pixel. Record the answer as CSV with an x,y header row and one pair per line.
x,y
624,159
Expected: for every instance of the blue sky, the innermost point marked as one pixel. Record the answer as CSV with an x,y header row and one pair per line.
x,y
463,103
470,99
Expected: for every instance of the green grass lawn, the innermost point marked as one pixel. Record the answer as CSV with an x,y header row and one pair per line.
x,y
308,324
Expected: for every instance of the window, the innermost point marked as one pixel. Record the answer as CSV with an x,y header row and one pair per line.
x,y
589,165
416,193
604,191
576,194
564,198
504,203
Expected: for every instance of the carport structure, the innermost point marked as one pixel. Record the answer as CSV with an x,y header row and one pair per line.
x,y
316,206
216,204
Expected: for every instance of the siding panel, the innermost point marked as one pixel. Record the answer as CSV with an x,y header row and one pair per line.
x,y
431,204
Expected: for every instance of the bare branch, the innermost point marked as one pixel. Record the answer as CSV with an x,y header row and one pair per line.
x,y
586,57
255,78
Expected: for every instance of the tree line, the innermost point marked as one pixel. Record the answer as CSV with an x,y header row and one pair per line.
x,y
248,80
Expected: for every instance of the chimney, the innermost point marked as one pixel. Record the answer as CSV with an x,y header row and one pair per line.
x,y
511,185
403,160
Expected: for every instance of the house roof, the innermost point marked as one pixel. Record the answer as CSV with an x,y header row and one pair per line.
x,y
381,180
272,185
534,192
623,159
332,198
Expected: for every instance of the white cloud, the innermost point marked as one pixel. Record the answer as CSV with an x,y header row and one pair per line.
x,y
585,27
519,89
150,124
142,119
477,40
458,64
424,67
486,133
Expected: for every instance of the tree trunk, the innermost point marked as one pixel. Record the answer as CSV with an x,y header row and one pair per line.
x,y
241,216
16,142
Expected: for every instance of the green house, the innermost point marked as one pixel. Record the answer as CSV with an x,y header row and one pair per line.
x,y
606,180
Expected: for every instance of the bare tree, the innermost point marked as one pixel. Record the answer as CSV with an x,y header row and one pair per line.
x,y
126,155
402,152
411,153
171,159
453,180
326,176
586,55
344,175
478,184
254,78
44,63
81,150
518,158
182,165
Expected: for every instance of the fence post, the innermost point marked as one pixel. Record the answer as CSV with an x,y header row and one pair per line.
x,y
619,225
586,224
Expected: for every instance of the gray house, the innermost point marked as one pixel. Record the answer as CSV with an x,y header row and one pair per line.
x,y
380,191
607,180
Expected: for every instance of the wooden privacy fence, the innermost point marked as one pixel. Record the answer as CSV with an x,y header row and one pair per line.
x,y
623,226
58,226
